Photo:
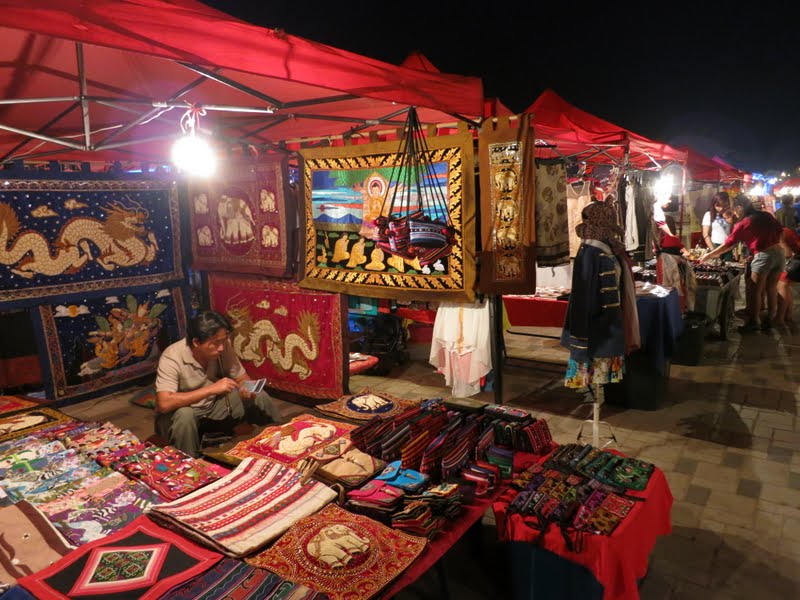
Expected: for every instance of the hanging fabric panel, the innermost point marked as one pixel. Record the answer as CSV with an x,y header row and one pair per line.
x,y
552,222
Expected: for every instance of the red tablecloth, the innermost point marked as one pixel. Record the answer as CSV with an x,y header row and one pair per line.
x,y
530,311
617,561
471,514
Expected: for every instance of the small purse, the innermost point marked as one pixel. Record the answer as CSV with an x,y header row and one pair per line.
x,y
351,469
376,493
405,479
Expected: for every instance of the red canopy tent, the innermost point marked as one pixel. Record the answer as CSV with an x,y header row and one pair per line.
x,y
110,79
565,130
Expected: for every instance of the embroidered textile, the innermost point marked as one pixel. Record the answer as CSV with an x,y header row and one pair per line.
x,y
77,237
243,219
366,404
508,202
141,562
246,509
167,471
27,422
292,337
100,344
9,404
347,556
231,578
552,223
29,542
290,443
579,195
100,509
345,192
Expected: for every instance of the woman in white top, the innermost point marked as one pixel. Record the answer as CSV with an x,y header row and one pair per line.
x,y
715,227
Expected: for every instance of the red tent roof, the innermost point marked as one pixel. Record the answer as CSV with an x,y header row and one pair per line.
x,y
571,130
138,52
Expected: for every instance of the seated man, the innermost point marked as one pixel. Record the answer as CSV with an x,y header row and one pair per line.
x,y
200,379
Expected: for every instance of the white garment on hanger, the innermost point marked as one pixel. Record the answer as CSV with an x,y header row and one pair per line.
x,y
461,347
631,225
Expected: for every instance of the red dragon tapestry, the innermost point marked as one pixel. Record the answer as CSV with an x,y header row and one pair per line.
x,y
291,336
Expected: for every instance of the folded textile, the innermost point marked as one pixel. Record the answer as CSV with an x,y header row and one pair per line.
x,y
231,578
246,509
367,404
29,542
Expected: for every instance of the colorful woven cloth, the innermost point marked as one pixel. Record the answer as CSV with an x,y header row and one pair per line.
x,y
29,542
9,404
95,511
246,509
347,556
289,444
141,562
29,421
232,579
367,404
167,471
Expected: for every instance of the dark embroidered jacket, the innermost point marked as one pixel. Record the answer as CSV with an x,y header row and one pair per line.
x,y
593,327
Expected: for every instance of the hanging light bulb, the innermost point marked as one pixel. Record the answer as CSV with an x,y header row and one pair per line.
x,y
191,153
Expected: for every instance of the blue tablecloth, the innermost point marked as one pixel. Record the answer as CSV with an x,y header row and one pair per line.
x,y
660,325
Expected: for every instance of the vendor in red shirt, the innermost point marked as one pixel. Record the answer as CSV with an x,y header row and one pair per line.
x,y
762,234
791,246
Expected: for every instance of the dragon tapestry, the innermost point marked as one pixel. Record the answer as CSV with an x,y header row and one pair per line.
x,y
292,337
360,242
508,202
243,221
75,237
98,345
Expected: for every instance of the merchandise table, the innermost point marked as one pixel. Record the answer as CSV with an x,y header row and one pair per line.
x,y
617,562
660,321
442,543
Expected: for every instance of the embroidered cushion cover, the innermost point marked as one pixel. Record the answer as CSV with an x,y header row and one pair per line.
x,y
347,556
141,562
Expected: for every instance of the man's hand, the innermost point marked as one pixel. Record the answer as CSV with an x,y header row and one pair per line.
x,y
245,393
223,386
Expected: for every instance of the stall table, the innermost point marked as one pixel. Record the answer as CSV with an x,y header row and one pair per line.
x,y
616,562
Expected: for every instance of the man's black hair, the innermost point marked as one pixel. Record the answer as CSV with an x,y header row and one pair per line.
x,y
205,325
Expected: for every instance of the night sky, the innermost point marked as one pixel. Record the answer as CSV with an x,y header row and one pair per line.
x,y
724,81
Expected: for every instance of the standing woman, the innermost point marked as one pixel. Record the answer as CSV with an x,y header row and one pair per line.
x,y
762,234
715,228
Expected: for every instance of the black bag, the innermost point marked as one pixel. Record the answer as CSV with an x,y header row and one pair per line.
x,y
793,268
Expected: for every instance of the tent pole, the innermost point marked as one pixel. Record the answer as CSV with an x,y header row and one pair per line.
x,y
497,345
231,83
44,138
683,201
44,127
87,130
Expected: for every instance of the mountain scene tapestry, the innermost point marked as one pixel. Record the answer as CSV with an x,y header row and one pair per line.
x,y
359,241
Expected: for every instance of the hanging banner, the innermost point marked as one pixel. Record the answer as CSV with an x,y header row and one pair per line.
x,y
76,237
347,189
242,221
97,345
290,336
508,204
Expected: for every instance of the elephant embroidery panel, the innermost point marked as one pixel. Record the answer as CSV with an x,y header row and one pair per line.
x,y
290,336
344,555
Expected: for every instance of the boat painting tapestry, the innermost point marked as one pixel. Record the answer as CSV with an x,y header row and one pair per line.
x,y
361,242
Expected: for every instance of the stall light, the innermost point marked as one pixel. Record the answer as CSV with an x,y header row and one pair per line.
x,y
662,189
758,190
191,153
